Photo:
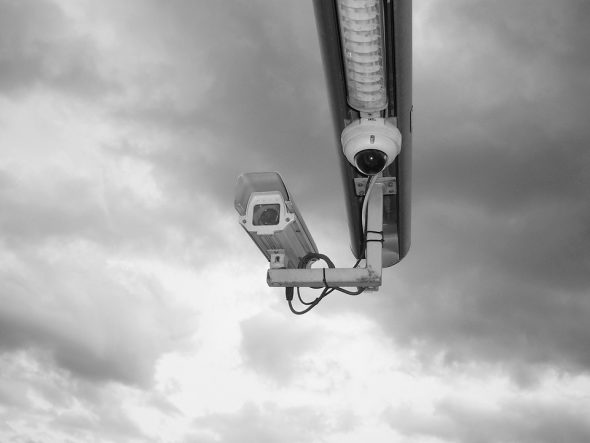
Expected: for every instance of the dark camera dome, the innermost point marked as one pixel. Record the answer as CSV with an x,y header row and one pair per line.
x,y
370,161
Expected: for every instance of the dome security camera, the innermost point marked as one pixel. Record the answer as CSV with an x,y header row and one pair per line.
x,y
371,144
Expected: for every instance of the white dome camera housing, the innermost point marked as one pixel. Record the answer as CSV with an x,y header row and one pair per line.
x,y
371,144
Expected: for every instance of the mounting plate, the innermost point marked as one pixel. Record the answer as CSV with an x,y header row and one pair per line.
x,y
390,185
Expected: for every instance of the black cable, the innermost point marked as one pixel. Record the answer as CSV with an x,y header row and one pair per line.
x,y
289,293
303,302
345,291
310,305
312,257
306,310
307,259
303,263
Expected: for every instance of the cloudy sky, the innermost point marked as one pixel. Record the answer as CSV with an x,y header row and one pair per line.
x,y
133,308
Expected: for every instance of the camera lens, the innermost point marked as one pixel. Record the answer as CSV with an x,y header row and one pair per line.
x,y
370,161
266,215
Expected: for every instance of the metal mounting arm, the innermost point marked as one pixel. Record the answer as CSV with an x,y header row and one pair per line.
x,y
367,277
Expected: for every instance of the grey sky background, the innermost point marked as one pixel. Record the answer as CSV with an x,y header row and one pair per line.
x,y
133,307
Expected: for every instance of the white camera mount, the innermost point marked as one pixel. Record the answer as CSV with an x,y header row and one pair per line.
x,y
368,277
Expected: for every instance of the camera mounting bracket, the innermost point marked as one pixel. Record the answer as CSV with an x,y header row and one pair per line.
x,y
360,185
368,277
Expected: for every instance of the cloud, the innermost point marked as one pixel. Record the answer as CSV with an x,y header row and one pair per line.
x,y
49,405
217,98
40,49
76,220
521,420
101,322
498,269
124,126
273,346
268,423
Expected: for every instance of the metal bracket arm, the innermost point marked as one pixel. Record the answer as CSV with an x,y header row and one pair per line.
x,y
367,277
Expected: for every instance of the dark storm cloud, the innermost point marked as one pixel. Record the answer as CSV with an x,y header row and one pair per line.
x,y
499,268
38,48
95,328
59,227
59,294
265,105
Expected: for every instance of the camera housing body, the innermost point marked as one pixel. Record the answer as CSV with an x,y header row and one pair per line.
x,y
371,144
271,219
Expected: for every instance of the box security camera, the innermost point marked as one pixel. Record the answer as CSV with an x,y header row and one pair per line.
x,y
268,214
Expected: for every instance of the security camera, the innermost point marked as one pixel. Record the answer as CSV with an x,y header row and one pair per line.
x,y
268,214
371,144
